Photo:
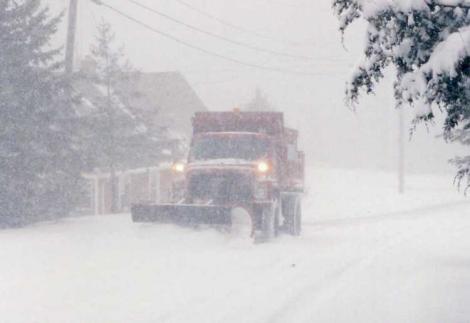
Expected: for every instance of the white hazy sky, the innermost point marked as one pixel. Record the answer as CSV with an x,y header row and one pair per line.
x,y
301,27
313,103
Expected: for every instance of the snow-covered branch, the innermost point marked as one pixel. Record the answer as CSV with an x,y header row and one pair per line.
x,y
428,43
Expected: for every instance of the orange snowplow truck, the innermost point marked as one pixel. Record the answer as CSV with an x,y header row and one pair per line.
x,y
247,160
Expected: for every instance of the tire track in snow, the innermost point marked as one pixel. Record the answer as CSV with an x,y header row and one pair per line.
x,y
397,215
333,281
321,292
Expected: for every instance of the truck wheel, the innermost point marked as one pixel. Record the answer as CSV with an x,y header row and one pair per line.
x,y
287,207
271,221
277,216
293,215
296,224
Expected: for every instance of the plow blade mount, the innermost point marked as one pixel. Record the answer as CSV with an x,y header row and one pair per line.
x,y
182,214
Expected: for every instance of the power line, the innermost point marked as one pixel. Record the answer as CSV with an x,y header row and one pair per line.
x,y
235,42
200,49
234,26
211,16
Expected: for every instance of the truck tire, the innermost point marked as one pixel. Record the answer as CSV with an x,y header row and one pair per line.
x,y
296,225
292,209
287,208
277,216
271,215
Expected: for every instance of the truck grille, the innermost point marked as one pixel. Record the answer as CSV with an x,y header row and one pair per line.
x,y
221,188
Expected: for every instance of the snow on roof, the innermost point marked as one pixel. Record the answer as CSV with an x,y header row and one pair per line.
x,y
164,99
167,97
117,102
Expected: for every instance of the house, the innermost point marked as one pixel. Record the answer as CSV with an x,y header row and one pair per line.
x,y
150,185
168,97
167,102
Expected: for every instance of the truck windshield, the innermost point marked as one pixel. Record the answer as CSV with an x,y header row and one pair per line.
x,y
246,147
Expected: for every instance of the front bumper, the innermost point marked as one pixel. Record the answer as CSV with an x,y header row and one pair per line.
x,y
193,214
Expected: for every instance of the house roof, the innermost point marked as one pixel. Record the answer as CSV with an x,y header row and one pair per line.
x,y
163,103
167,98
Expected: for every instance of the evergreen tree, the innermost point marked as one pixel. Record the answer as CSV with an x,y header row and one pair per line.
x,y
39,159
259,102
428,44
117,135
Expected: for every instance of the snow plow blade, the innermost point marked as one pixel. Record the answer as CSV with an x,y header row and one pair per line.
x,y
182,214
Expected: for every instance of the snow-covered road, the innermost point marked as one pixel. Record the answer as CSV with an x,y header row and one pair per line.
x,y
366,255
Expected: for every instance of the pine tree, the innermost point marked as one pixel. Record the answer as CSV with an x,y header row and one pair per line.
x,y
39,159
118,136
429,46
259,102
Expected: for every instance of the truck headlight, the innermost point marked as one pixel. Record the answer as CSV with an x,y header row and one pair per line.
x,y
178,167
263,167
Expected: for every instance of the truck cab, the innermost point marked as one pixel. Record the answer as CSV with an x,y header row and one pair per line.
x,y
229,167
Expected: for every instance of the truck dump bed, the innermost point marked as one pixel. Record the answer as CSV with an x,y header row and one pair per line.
x,y
271,123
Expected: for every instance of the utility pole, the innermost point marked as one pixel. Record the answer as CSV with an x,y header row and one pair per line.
x,y
401,150
70,46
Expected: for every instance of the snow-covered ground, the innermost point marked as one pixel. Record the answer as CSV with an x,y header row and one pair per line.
x,y
366,255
